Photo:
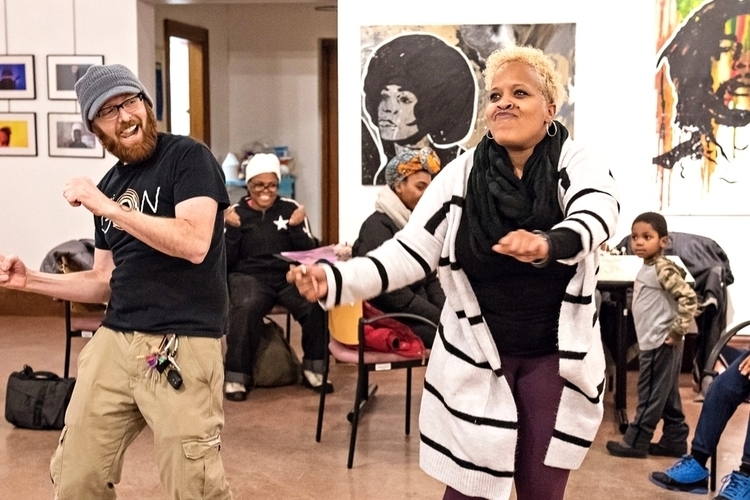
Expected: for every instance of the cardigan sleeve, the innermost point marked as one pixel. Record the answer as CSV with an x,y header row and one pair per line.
x,y
589,198
409,256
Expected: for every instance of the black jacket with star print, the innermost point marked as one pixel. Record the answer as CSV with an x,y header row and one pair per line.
x,y
251,247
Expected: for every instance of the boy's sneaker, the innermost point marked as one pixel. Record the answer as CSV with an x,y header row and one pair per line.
x,y
622,449
686,475
736,487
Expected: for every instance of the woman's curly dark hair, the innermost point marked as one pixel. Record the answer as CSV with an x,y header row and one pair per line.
x,y
438,74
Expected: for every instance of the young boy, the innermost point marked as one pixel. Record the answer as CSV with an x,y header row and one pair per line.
x,y
663,305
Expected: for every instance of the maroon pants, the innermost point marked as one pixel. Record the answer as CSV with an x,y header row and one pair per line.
x,y
537,387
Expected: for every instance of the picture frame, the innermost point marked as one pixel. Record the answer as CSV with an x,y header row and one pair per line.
x,y
17,77
68,137
64,71
18,134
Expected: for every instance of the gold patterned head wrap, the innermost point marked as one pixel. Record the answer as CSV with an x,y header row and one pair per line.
x,y
410,161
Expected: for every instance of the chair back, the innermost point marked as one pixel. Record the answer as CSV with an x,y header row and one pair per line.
x,y
343,321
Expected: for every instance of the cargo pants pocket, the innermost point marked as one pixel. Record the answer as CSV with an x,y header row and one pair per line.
x,y
202,470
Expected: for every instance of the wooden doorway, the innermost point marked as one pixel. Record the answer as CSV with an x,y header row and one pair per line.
x,y
195,81
329,90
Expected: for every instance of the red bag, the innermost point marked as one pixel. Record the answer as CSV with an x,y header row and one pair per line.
x,y
390,335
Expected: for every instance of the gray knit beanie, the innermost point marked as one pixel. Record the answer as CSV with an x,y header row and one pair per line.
x,y
103,82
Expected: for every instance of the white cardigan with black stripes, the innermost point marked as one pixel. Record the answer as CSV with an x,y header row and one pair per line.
x,y
468,416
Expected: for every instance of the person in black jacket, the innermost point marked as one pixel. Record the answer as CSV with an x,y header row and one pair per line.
x,y
407,176
259,227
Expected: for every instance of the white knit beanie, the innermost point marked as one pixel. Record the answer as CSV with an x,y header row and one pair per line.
x,y
262,163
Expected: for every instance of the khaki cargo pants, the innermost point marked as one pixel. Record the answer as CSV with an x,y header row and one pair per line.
x,y
114,400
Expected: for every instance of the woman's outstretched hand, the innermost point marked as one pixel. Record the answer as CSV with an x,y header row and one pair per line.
x,y
310,281
523,245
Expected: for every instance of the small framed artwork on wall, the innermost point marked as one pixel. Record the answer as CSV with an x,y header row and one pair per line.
x,y
69,137
17,77
17,134
64,71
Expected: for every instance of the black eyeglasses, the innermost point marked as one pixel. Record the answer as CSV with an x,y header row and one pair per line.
x,y
129,105
260,187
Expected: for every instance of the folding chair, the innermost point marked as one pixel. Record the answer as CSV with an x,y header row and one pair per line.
x,y
278,309
80,324
343,322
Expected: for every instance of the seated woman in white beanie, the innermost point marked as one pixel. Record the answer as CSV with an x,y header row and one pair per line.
x,y
261,225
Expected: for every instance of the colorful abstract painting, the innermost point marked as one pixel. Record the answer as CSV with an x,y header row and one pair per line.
x,y
423,85
703,106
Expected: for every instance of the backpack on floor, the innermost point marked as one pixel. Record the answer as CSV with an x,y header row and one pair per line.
x,y
276,363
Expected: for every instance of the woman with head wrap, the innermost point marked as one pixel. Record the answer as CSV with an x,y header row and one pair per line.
x,y
407,174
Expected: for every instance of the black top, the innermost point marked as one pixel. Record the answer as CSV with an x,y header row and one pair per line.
x,y
520,302
262,234
151,291
424,298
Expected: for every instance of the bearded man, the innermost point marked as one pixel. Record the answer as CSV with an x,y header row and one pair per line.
x,y
160,265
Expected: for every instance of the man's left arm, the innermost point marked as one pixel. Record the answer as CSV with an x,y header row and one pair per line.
x,y
187,236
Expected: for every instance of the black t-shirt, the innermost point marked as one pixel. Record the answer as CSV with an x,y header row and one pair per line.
x,y
151,291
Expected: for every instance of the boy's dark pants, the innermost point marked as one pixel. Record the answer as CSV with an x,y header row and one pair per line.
x,y
659,398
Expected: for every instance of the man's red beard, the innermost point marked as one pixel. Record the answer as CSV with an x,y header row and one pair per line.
x,y
137,152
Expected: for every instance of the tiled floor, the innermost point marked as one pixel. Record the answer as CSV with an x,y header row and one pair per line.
x,y
269,447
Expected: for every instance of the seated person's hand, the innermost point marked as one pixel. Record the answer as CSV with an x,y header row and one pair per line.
x,y
298,216
231,217
310,281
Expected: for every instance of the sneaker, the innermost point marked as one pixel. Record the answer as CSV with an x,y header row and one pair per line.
x,y
234,391
736,486
314,381
659,450
622,449
686,475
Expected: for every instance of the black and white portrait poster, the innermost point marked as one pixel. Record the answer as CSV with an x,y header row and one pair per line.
x,y
423,85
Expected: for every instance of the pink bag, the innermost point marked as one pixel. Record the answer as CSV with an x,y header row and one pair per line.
x,y
390,335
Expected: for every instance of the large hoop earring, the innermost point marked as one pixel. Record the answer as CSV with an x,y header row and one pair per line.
x,y
489,134
553,134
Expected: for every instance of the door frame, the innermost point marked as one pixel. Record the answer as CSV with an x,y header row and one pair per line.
x,y
330,141
198,36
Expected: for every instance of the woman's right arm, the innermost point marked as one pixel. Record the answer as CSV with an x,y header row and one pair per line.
x,y
411,255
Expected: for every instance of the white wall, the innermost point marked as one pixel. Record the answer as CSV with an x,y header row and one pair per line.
x,y
34,217
264,82
615,63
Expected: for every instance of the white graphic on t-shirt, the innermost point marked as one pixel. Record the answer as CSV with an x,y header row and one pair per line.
x,y
131,201
281,223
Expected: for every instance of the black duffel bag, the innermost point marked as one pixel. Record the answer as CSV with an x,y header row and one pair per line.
x,y
37,400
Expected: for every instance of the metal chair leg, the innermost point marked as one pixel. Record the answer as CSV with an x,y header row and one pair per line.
x,y
66,371
361,387
407,427
322,404
712,472
289,328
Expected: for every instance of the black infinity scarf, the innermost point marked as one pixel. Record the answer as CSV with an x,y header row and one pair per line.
x,y
498,202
